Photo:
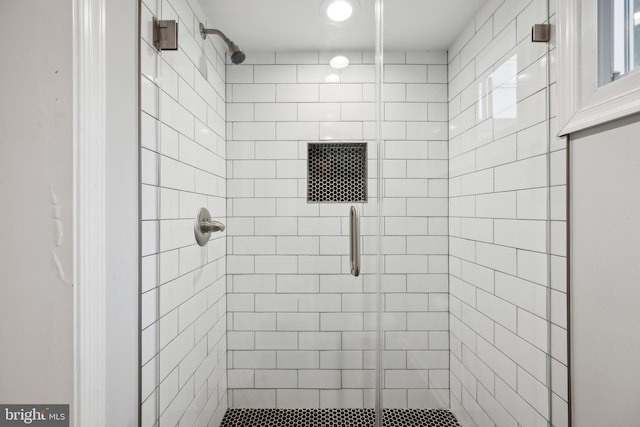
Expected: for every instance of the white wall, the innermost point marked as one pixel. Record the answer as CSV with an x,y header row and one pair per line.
x,y
36,269
605,243
122,255
36,169
183,169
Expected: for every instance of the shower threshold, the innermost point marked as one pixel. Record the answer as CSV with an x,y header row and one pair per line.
x,y
254,417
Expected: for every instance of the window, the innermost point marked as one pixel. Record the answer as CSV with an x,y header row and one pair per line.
x,y
618,39
597,61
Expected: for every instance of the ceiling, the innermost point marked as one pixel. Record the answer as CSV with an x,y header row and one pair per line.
x,y
270,25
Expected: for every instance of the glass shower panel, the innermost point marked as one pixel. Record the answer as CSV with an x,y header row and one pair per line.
x,y
267,314
189,153
466,215
415,235
300,116
414,242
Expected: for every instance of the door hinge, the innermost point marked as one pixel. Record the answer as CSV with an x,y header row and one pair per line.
x,y
165,35
541,33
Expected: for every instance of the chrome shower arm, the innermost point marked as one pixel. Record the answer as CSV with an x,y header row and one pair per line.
x,y
204,31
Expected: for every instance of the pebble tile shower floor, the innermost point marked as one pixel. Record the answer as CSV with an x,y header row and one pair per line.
x,y
242,417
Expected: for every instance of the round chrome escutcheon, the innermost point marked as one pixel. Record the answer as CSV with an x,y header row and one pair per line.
x,y
203,217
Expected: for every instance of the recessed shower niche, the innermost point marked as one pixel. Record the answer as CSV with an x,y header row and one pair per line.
x,y
337,172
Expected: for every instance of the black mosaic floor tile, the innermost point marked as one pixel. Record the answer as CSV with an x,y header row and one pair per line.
x,y
249,417
418,418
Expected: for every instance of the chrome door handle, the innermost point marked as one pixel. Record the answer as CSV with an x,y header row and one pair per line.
x,y
354,240
204,226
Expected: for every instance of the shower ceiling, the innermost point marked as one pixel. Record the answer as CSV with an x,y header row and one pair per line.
x,y
259,25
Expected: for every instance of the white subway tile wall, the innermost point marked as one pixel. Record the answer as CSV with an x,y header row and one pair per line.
x,y
498,205
301,328
183,145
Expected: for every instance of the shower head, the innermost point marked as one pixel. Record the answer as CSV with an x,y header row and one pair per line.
x,y
237,55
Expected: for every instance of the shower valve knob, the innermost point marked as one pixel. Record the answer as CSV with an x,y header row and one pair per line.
x,y
204,226
211,226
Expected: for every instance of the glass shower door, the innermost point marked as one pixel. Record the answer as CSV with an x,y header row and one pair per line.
x,y
267,315
466,242
301,152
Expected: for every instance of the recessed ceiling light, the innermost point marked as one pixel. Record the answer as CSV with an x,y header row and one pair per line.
x,y
339,10
339,62
332,78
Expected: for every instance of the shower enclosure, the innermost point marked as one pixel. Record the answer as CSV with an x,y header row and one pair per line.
x,y
384,180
